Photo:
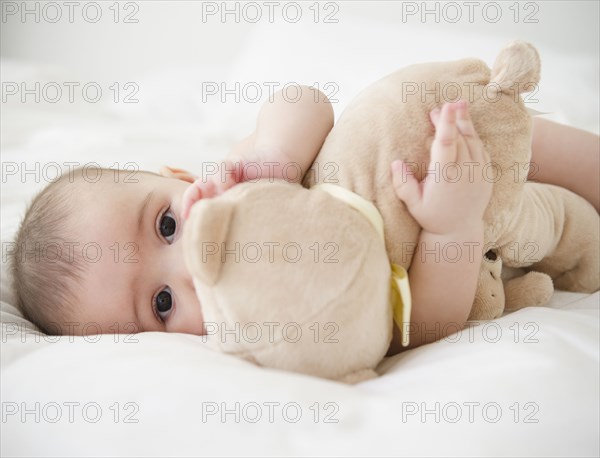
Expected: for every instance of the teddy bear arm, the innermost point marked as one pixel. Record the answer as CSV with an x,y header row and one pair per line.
x,y
531,289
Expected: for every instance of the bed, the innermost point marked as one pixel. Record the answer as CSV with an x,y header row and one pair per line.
x,y
525,384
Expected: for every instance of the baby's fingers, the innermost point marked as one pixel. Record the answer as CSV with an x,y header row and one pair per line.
x,y
406,185
463,119
231,174
444,147
196,191
434,116
464,123
190,196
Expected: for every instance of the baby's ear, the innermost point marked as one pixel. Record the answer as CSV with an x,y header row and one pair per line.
x,y
180,174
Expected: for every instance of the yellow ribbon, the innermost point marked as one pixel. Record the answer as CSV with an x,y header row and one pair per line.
x,y
400,297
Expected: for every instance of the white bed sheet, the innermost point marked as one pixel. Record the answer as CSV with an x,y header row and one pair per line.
x,y
542,373
527,385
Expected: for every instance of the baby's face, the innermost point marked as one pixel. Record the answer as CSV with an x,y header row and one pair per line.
x,y
140,282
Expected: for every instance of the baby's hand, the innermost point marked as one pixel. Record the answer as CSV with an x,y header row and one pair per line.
x,y
228,174
455,197
253,166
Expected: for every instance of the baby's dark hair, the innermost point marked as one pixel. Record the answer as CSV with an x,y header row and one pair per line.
x,y
47,263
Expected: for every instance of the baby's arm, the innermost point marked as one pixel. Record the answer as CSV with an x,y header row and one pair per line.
x,y
290,131
567,157
443,289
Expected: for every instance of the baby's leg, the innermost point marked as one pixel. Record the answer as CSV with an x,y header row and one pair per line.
x,y
567,157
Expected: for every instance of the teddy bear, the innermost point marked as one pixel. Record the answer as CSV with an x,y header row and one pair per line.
x,y
307,277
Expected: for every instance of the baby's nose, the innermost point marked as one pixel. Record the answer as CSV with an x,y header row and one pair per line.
x,y
187,278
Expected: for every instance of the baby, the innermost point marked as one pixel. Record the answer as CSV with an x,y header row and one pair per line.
x,y
140,282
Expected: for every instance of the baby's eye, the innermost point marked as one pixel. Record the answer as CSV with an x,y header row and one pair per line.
x,y
163,303
167,225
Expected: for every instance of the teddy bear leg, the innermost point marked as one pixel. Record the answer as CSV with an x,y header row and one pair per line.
x,y
359,376
532,289
569,242
583,278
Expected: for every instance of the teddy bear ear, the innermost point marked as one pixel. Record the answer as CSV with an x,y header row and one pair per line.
x,y
516,69
204,234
